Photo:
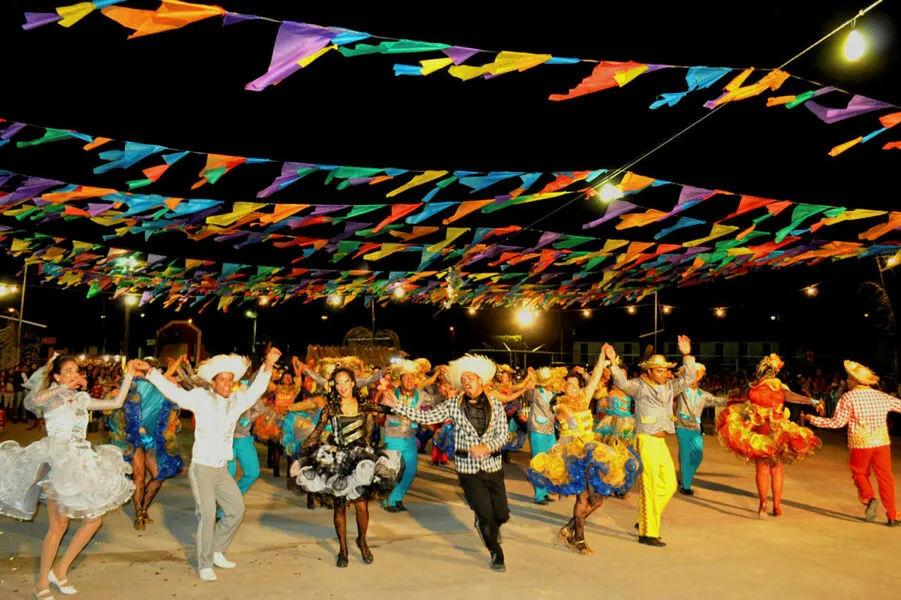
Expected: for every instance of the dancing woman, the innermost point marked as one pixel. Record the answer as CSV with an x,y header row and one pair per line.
x,y
581,464
74,479
346,467
759,430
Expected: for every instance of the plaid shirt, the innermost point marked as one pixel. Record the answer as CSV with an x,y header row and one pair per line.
x,y
465,435
865,411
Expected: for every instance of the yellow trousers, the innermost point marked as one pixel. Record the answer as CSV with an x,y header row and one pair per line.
x,y
657,483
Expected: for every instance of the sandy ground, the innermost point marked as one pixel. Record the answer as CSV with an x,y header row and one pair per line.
x,y
717,547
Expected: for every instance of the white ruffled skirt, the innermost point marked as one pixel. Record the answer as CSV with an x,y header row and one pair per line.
x,y
348,474
85,482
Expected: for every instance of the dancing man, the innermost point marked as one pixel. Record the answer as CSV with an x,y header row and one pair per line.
x,y
689,406
480,431
653,394
216,412
865,410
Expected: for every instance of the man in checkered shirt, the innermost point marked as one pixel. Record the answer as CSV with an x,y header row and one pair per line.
x,y
865,410
480,431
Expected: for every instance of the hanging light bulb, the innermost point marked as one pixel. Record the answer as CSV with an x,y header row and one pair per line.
x,y
855,46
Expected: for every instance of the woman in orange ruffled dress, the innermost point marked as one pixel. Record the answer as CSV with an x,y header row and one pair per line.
x,y
759,430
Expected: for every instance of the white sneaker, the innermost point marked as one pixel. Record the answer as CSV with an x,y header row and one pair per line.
x,y
223,563
207,575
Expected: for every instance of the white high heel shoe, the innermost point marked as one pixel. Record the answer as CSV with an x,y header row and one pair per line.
x,y
63,586
42,595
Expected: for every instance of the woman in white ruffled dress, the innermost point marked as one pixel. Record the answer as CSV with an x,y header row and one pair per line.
x,y
75,480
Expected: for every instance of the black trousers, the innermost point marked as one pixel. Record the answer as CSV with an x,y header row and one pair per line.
x,y
486,495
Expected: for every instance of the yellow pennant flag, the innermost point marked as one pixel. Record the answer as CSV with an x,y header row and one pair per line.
x,y
452,234
611,245
854,214
18,246
431,65
386,250
239,210
418,180
306,60
717,231
74,13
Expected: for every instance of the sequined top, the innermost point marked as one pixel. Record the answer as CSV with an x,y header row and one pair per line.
x,y
653,402
347,430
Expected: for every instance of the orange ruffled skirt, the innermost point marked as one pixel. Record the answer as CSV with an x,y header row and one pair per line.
x,y
754,432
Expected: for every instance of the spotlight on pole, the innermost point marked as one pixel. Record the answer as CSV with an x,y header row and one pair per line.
x,y
667,310
264,300
772,317
131,300
525,317
335,300
811,291
471,311
720,313
855,46
586,313
399,292
250,314
631,310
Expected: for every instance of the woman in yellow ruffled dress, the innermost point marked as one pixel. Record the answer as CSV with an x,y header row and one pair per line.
x,y
580,464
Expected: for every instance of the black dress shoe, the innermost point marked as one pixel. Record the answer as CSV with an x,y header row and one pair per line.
x,y
497,563
543,502
872,507
893,523
401,507
651,541
393,508
686,492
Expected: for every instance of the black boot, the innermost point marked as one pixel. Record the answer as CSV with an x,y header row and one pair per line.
x,y
651,541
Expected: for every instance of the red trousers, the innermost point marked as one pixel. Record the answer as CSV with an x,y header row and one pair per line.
x,y
880,460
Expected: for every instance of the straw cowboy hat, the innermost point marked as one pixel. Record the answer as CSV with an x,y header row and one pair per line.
x,y
235,364
482,366
860,373
424,365
657,361
403,368
544,377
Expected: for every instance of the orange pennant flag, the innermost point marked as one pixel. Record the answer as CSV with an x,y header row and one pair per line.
x,y
633,182
735,91
894,221
412,235
398,211
640,220
747,204
890,120
171,15
777,207
891,145
172,202
83,192
465,208
281,212
606,74
98,141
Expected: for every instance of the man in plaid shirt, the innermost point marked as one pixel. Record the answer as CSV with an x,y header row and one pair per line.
x,y
480,431
865,410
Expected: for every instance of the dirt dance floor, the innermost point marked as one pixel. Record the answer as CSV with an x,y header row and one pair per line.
x,y
717,547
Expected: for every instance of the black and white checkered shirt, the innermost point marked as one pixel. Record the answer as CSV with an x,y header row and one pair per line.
x,y
465,435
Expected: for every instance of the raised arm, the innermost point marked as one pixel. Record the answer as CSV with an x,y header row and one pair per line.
x,y
321,383
367,381
117,403
260,382
689,372
592,386
423,417
182,397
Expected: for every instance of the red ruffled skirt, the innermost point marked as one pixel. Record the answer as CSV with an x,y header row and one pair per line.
x,y
754,432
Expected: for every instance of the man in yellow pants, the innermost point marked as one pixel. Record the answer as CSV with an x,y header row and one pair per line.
x,y
653,395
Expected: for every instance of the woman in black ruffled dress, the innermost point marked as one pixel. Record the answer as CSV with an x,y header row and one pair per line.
x,y
346,467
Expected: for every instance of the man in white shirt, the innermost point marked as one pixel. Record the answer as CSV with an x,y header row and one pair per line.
x,y
216,411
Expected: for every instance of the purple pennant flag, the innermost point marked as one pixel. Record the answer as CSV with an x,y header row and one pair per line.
x,y
289,175
858,105
294,42
615,209
324,209
32,187
459,54
12,130
145,298
98,209
34,20
689,196
546,238
232,18
5,178
351,227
